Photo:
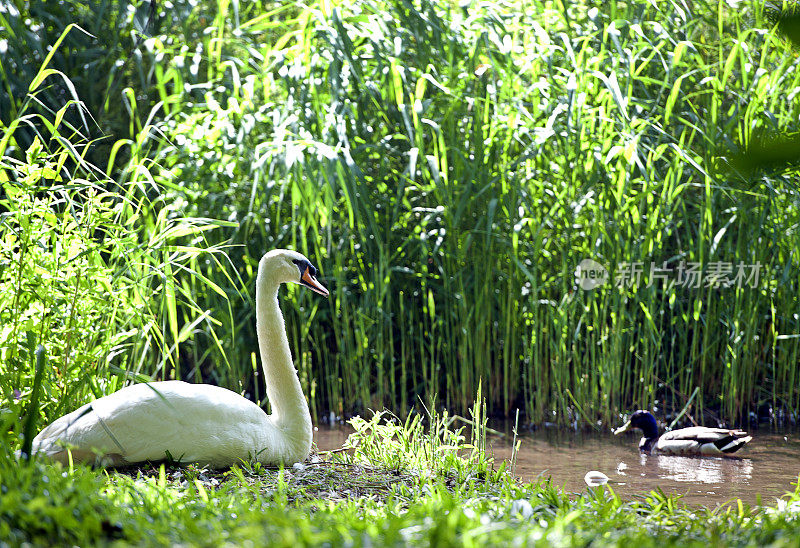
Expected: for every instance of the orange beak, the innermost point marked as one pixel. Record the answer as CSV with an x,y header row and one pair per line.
x,y
311,281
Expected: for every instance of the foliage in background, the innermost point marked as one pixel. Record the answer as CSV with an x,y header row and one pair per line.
x,y
447,168
88,57
102,61
87,265
774,149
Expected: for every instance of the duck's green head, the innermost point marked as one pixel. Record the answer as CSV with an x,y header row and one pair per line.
x,y
642,420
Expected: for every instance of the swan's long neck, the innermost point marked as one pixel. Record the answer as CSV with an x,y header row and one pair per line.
x,y
289,407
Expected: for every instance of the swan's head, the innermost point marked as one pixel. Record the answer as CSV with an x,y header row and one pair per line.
x,y
286,266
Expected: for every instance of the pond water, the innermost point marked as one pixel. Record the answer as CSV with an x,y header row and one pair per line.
x,y
765,469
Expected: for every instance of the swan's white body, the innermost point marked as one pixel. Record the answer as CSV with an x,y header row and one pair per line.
x,y
198,422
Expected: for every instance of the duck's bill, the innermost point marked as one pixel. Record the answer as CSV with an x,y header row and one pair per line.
x,y
623,428
311,282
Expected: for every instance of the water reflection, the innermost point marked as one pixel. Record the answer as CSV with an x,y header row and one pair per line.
x,y
766,470
699,469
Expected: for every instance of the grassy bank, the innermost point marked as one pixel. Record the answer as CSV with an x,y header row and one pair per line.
x,y
399,485
447,168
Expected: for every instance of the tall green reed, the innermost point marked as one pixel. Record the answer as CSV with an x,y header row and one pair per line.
x,y
89,267
448,168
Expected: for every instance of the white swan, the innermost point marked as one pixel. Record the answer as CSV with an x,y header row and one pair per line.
x,y
199,422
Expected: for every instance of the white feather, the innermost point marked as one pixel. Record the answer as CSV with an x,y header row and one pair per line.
x,y
677,447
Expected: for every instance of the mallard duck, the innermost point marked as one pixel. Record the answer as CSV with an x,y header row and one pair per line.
x,y
695,440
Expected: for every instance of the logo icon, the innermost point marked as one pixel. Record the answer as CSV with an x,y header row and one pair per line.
x,y
590,274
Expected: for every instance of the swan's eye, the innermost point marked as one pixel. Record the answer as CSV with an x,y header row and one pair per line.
x,y
303,265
